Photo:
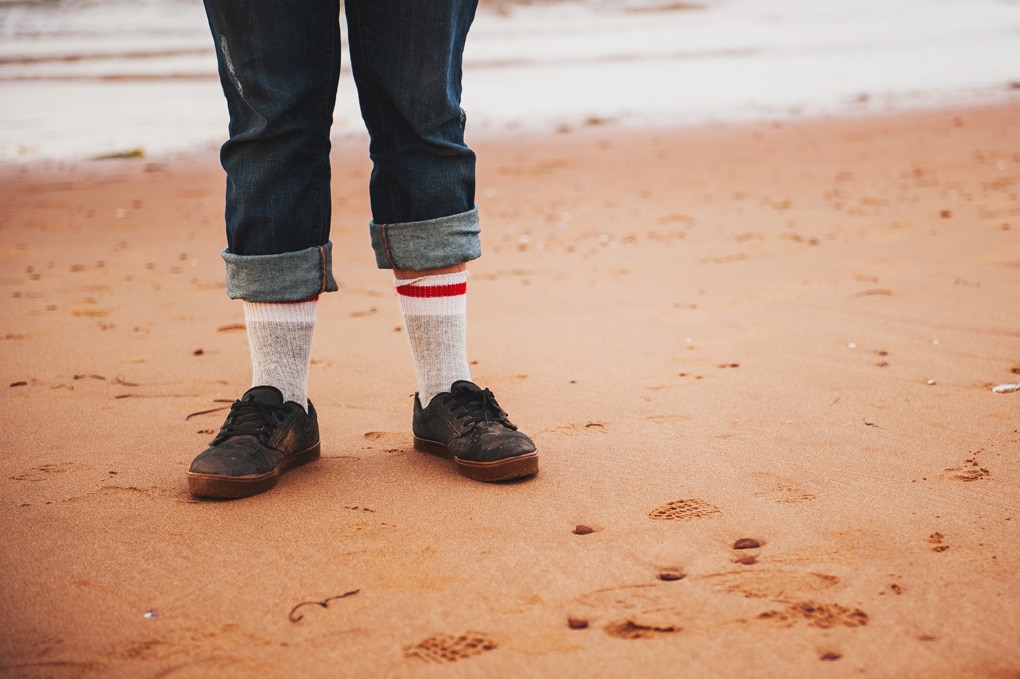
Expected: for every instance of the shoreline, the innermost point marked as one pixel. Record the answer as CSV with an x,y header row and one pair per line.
x,y
350,139
532,66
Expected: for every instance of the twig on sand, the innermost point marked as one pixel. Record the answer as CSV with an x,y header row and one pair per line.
x,y
206,412
323,604
211,410
874,291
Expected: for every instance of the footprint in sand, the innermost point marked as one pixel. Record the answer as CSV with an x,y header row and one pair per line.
x,y
824,616
937,542
778,585
779,489
633,628
627,597
40,473
151,493
391,441
970,470
215,650
149,649
574,428
648,610
682,510
784,586
226,637
446,648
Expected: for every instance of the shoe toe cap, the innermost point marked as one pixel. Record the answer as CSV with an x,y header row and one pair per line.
x,y
233,458
491,446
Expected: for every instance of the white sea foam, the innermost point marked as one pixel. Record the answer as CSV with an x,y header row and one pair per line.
x,y
80,78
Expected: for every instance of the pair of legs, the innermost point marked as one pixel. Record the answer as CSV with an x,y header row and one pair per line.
x,y
279,65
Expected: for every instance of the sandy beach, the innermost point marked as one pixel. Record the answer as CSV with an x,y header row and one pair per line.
x,y
782,337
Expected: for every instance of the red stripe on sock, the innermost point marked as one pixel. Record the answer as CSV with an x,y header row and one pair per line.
x,y
432,290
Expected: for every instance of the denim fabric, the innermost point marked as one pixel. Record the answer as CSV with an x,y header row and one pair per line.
x,y
284,277
430,244
406,56
279,68
279,64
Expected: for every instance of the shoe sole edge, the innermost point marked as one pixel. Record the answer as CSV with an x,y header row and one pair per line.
x,y
222,487
517,467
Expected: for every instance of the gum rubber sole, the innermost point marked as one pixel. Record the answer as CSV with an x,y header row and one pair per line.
x,y
224,487
517,467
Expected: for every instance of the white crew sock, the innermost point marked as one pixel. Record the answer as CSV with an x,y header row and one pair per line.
x,y
435,315
280,340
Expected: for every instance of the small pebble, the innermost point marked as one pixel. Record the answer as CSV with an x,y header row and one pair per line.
x,y
197,352
830,656
746,561
583,530
746,543
577,623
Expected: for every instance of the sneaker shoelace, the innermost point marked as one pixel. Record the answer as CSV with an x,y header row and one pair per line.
x,y
477,406
252,418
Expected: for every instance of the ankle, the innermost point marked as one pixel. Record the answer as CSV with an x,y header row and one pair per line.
x,y
280,342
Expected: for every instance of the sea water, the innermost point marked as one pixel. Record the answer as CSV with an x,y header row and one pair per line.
x,y
83,78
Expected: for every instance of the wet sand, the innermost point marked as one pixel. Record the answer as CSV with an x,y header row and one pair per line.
x,y
782,332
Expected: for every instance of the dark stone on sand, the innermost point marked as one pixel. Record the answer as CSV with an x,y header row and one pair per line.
x,y
746,543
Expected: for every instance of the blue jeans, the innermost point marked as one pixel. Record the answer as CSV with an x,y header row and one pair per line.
x,y
279,64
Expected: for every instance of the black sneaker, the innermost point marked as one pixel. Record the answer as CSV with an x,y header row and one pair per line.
x,y
468,426
262,438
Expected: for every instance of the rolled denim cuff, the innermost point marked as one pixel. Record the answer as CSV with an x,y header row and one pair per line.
x,y
286,277
431,244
